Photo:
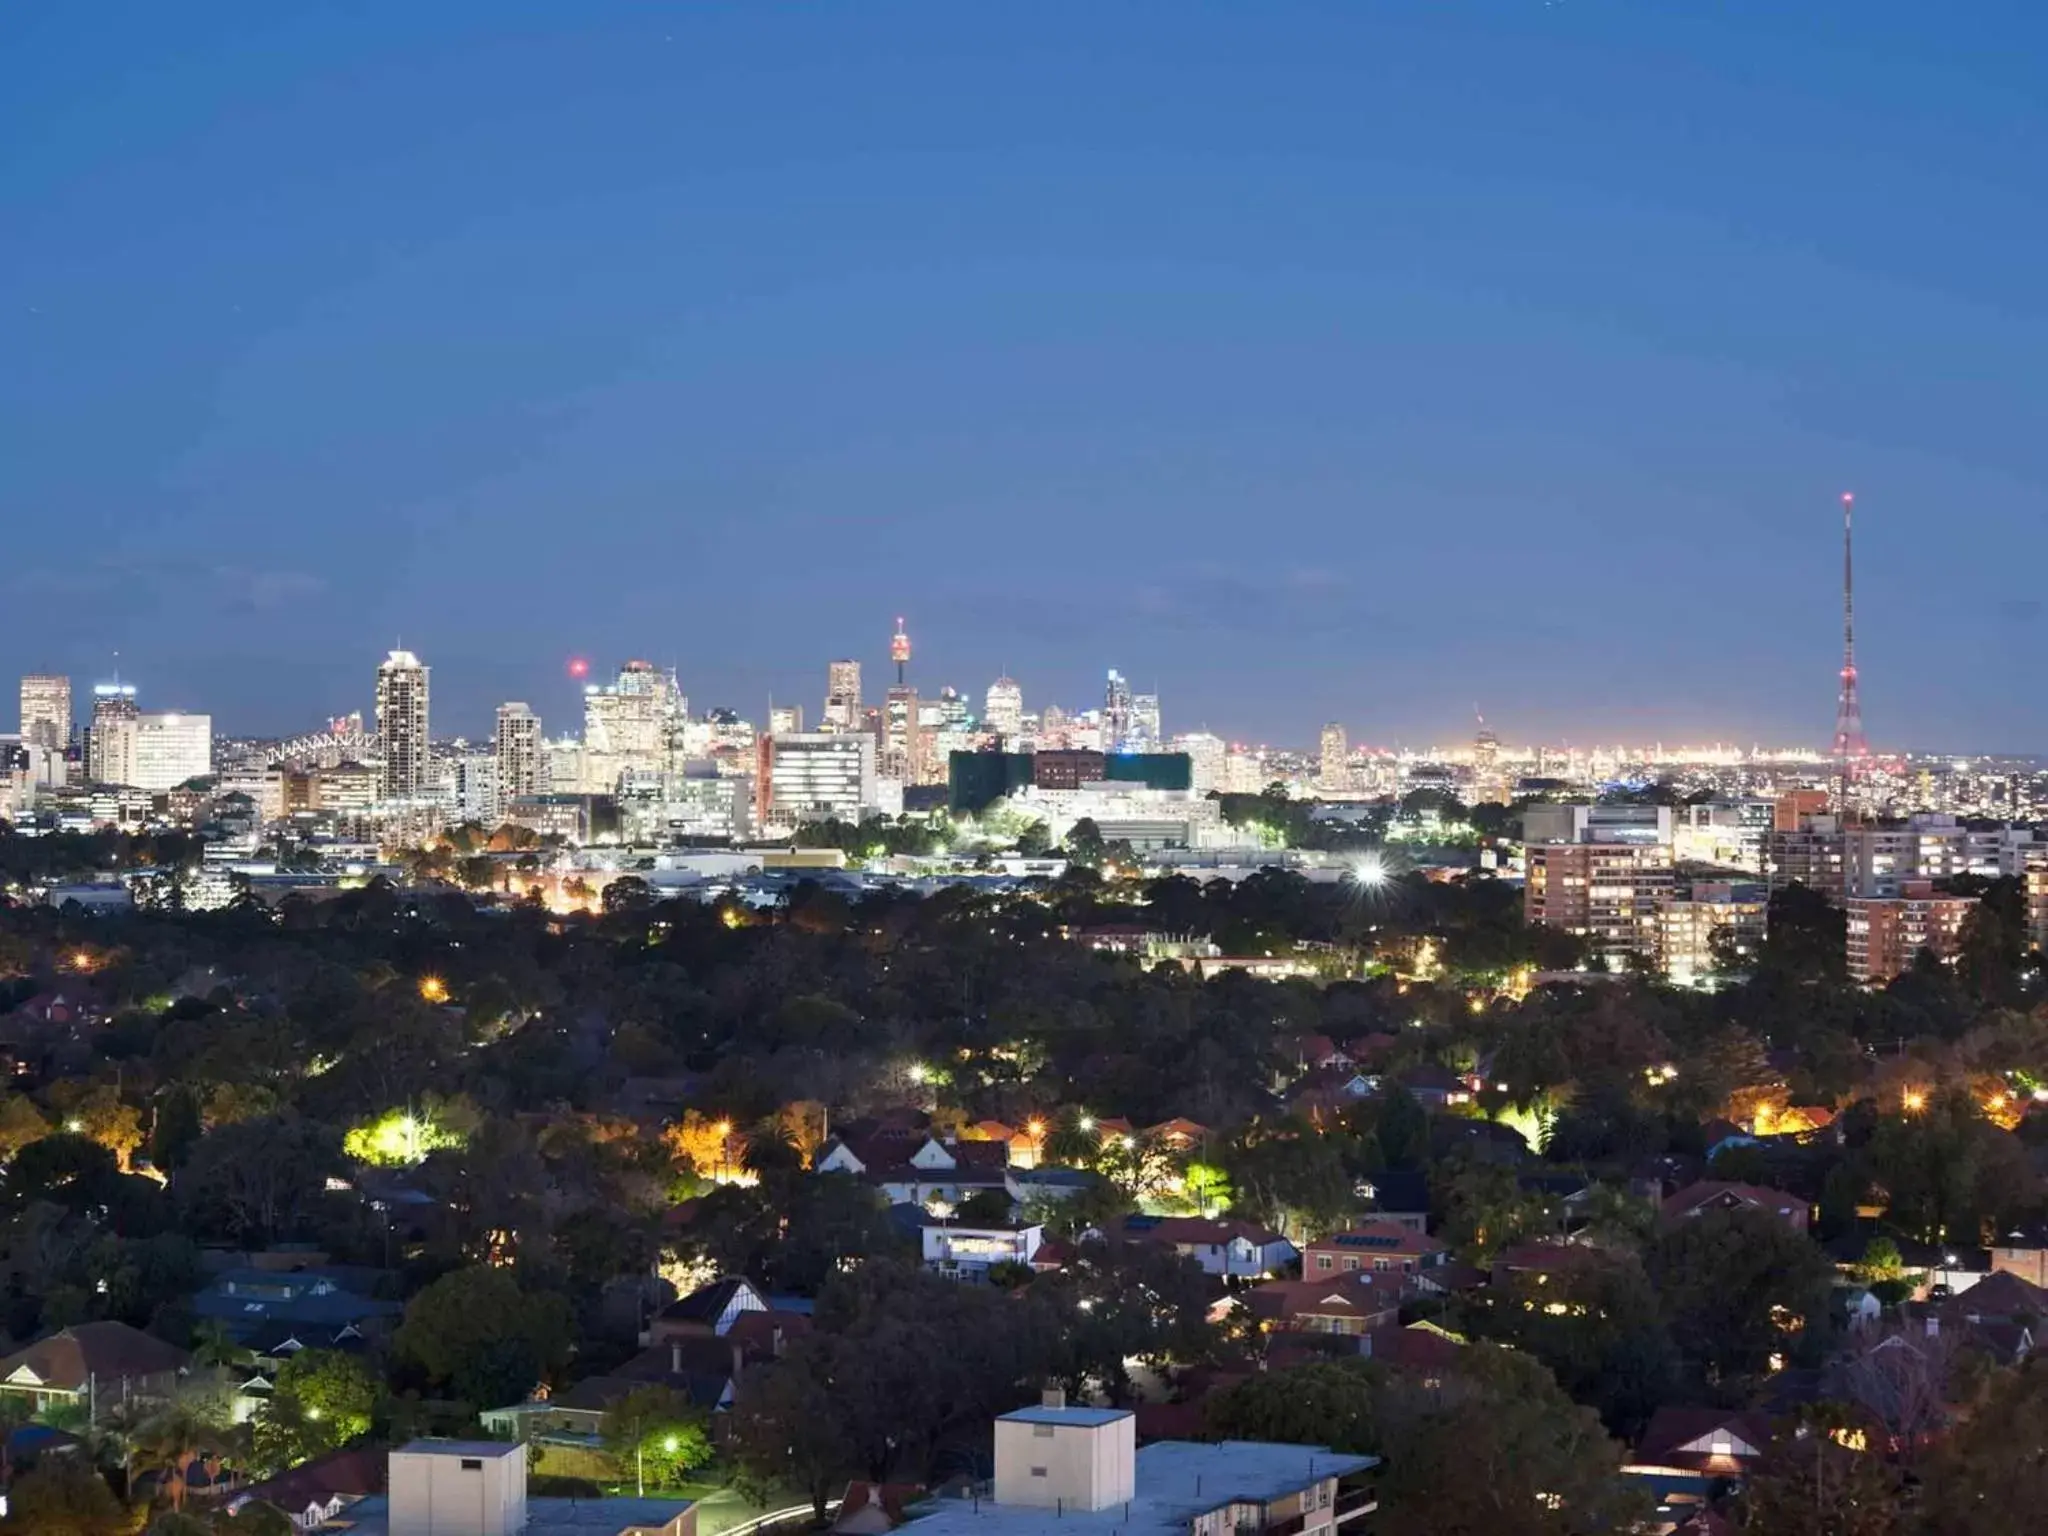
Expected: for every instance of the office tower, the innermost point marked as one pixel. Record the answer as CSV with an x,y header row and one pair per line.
x,y
402,724
1116,712
842,696
1144,732
1206,756
1333,762
903,741
46,711
632,726
785,719
1489,784
518,753
1004,711
812,777
110,751
170,748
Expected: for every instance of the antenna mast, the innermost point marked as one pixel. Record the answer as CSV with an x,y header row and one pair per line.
x,y
1851,748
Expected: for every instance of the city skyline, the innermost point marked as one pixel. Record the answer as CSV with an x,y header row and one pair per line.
x,y
1309,363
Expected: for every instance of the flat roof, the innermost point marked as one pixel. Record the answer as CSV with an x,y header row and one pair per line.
x,y
490,1448
1085,1418
1176,1480
544,1517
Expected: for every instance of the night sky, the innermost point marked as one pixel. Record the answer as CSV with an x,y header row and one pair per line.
x,y
1361,361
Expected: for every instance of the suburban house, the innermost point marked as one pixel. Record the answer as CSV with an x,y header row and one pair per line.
x,y
1374,1245
2023,1251
1716,1195
1687,1455
1234,1249
1435,1087
1352,1305
967,1250
707,1312
916,1169
316,1307
1398,1196
96,1366
316,1492
1326,1090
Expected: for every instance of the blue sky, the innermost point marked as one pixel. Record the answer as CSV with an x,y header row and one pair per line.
x,y
1358,361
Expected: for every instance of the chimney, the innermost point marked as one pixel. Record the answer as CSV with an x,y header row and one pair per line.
x,y
1053,1397
675,1357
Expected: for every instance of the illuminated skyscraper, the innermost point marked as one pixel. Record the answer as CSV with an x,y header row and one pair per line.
x,y
1004,712
1333,762
402,725
1116,712
842,696
518,754
631,726
46,711
110,751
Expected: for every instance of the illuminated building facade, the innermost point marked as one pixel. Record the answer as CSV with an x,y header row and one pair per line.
x,y
1003,713
169,748
815,776
1608,893
633,725
1333,762
516,745
842,696
46,711
110,749
1887,933
402,718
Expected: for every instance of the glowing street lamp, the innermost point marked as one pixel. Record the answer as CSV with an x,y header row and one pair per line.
x,y
1370,872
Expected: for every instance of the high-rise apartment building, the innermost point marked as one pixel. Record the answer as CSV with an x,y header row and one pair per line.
x,y
402,725
1333,761
904,754
517,748
1004,711
110,749
1611,894
1145,728
46,711
814,776
842,696
1713,921
1887,933
1116,712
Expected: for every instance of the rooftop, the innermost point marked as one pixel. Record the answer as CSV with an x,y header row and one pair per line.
x,y
1085,1418
1176,1481
490,1449
545,1517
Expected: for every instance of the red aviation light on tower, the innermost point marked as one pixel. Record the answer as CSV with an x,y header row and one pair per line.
x,y
579,668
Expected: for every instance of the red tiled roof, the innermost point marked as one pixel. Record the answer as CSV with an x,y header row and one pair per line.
x,y
1377,1237
1710,1191
1356,1295
1413,1349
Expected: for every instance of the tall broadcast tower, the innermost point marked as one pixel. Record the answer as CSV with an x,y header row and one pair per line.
x,y
899,651
1851,748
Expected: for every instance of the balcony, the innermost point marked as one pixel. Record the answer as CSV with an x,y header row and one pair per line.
x,y
1354,1502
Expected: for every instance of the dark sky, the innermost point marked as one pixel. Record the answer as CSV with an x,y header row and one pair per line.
x,y
1365,360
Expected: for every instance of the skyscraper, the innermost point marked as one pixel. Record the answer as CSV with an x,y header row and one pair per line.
x,y
632,725
1333,762
110,754
46,711
402,723
1004,712
1145,733
1116,712
842,696
518,753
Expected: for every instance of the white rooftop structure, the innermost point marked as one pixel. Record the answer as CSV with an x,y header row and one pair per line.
x,y
1064,1471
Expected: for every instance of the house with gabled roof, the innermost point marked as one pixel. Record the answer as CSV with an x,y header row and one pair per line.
x,y
1379,1246
1686,1455
1228,1247
710,1311
1705,1195
1352,1305
913,1170
96,1366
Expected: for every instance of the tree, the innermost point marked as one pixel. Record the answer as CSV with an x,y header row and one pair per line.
x,y
1739,1287
323,1399
98,1111
20,1124
64,1496
628,893
789,1425
478,1332
655,1434
1491,1445
1084,842
169,1442
1992,1466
